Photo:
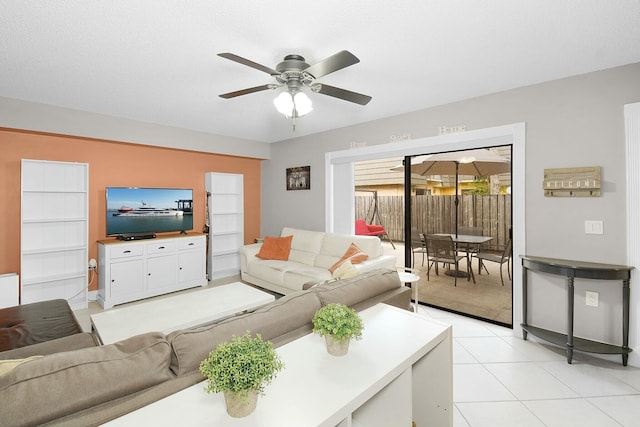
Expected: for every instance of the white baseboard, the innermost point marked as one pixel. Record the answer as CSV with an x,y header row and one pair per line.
x,y
92,295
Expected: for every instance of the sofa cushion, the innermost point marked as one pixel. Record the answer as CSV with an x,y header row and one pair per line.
x,y
353,254
357,289
346,270
191,346
9,365
275,248
305,246
295,278
68,343
68,382
28,324
335,245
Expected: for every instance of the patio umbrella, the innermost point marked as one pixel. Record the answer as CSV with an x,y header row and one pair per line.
x,y
478,162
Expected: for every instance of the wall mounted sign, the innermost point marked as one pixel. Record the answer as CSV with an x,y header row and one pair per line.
x,y
572,182
299,178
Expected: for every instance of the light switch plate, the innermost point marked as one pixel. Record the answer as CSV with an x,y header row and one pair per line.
x,y
591,299
593,227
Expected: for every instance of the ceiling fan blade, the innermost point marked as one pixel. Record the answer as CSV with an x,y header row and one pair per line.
x,y
336,92
333,63
247,91
248,63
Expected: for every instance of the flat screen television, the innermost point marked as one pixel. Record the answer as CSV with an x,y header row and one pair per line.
x,y
138,211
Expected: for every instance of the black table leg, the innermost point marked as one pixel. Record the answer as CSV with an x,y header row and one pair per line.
x,y
625,321
569,318
524,301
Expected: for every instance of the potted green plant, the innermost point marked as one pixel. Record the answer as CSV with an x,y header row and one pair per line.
x,y
241,369
337,323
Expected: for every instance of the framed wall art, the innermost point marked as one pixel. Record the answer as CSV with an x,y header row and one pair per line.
x,y
299,178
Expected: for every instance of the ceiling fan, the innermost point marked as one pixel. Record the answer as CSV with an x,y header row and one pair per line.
x,y
294,73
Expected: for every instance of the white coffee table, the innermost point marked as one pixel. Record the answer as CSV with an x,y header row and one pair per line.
x,y
181,311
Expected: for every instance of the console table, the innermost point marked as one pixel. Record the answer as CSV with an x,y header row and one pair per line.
x,y
571,270
399,372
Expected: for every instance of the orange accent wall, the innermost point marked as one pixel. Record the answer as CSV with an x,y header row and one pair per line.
x,y
115,164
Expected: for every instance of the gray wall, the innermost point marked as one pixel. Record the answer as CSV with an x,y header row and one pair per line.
x,y
576,121
572,122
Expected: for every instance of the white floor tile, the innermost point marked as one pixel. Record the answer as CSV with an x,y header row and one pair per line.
x,y
627,374
469,328
570,412
500,331
458,419
536,351
461,355
492,350
498,414
528,381
623,409
588,380
474,383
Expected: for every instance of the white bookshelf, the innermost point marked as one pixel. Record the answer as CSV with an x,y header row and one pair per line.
x,y
226,223
54,232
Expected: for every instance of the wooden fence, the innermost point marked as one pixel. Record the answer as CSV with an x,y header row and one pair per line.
x,y
436,214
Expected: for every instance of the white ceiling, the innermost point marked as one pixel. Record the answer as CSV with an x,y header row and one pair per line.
x,y
155,60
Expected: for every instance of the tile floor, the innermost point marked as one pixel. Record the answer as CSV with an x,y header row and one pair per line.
x,y
501,380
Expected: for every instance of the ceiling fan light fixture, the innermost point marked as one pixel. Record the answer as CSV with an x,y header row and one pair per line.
x,y
293,105
284,104
302,104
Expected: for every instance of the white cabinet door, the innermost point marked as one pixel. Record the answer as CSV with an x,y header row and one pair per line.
x,y
191,267
162,272
127,280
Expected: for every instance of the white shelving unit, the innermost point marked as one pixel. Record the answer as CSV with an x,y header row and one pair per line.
x,y
54,232
226,223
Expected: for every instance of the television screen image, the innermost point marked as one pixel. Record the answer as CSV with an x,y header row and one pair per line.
x,y
132,210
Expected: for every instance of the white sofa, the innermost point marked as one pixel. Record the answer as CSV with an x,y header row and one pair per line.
x,y
312,254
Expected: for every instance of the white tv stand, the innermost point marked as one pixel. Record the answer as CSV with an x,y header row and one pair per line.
x,y
138,269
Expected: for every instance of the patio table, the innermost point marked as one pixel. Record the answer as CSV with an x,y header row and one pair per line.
x,y
466,240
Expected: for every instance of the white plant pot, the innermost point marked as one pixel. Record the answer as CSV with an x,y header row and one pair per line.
x,y
240,405
337,347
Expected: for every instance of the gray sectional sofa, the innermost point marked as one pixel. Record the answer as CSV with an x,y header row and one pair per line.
x,y
90,386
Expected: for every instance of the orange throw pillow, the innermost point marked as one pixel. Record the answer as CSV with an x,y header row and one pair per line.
x,y
275,248
353,254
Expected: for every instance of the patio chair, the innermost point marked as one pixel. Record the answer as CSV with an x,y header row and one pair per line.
x,y
442,249
502,257
364,229
418,245
470,231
